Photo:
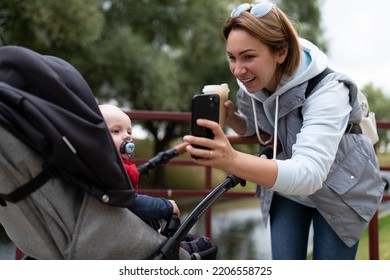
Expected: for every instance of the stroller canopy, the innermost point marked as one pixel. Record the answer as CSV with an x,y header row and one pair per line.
x,y
45,102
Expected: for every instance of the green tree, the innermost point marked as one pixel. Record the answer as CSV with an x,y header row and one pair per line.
x,y
379,103
144,54
53,27
165,51
307,18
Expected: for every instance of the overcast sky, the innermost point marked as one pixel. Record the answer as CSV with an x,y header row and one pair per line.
x,y
358,39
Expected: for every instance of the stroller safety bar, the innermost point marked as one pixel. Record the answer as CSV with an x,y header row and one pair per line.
x,y
170,248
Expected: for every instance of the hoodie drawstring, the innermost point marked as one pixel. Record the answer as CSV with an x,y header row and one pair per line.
x,y
275,144
276,127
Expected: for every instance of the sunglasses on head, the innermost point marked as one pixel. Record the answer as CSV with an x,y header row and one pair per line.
x,y
258,10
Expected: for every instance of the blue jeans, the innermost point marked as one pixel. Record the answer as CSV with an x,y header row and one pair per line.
x,y
290,226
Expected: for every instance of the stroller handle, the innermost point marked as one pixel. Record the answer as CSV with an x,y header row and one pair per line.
x,y
162,158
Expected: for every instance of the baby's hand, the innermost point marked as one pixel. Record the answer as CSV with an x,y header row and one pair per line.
x,y
175,208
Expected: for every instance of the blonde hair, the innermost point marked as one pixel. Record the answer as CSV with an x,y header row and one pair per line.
x,y
274,30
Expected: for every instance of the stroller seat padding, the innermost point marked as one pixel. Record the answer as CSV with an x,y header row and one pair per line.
x,y
59,221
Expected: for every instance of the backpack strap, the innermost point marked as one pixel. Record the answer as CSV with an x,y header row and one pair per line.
x,y
27,188
315,80
351,127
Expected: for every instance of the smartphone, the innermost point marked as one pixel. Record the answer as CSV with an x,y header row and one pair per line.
x,y
204,106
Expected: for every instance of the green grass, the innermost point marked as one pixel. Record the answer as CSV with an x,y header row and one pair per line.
x,y
384,241
384,159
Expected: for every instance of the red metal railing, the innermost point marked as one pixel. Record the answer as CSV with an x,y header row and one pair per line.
x,y
373,226
186,117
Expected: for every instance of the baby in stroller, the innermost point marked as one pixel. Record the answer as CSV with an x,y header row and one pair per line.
x,y
149,209
64,193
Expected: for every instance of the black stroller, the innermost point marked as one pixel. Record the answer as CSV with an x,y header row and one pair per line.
x,y
62,195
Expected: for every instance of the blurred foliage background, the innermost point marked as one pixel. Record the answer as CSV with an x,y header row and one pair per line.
x,y
149,54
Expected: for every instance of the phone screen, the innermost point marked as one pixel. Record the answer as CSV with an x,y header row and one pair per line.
x,y
204,106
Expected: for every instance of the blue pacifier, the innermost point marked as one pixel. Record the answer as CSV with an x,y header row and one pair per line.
x,y
127,148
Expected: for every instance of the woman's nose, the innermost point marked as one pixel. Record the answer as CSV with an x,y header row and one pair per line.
x,y
238,69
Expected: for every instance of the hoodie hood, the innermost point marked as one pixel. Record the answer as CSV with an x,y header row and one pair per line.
x,y
313,61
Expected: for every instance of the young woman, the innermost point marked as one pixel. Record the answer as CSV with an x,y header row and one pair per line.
x,y
324,172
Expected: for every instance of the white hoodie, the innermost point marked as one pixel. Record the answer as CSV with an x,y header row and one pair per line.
x,y
321,166
325,116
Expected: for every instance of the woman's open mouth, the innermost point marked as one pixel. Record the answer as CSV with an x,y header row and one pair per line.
x,y
247,81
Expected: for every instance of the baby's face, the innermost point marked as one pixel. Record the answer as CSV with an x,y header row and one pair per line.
x,y
119,125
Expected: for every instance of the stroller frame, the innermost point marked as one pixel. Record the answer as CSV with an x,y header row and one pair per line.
x,y
37,119
170,248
